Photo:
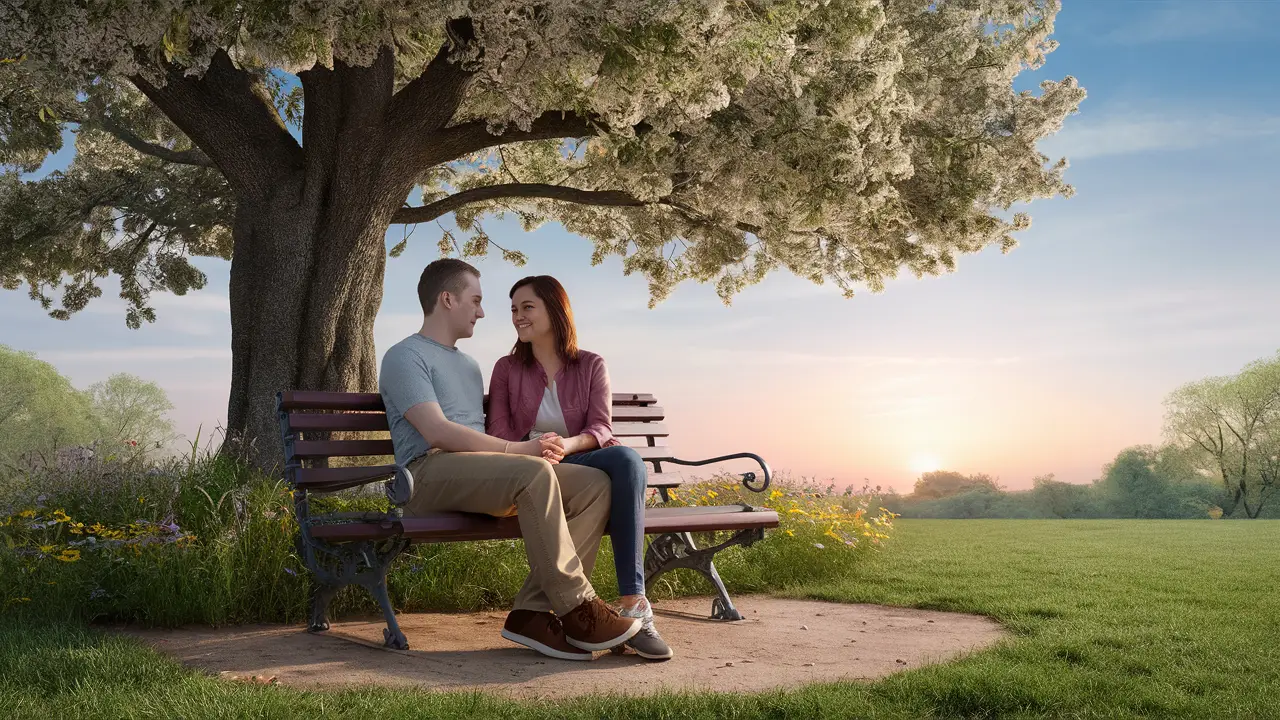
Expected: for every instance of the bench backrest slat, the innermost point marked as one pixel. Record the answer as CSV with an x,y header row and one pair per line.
x,y
309,417
377,422
372,402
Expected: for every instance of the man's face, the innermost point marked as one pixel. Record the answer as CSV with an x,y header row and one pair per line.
x,y
464,308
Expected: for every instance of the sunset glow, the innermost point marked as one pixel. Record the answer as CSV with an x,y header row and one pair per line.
x,y
925,462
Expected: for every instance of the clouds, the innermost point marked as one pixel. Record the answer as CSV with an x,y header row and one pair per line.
x,y
202,313
1171,22
141,354
1130,132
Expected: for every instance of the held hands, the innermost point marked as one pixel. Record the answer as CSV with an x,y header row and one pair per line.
x,y
549,447
552,446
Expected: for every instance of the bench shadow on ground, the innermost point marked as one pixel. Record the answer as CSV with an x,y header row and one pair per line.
x,y
782,643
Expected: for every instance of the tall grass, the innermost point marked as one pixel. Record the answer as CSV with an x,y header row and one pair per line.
x,y
202,539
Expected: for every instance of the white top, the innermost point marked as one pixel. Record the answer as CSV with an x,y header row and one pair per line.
x,y
550,416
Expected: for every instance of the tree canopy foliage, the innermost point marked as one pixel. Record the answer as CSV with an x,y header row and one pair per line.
x,y
717,141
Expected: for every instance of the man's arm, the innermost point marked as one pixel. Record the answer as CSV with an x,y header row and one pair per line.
x,y
441,432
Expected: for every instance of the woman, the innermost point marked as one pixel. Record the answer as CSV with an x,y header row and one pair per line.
x,y
548,387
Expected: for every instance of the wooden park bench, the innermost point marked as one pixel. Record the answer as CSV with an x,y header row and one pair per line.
x,y
341,549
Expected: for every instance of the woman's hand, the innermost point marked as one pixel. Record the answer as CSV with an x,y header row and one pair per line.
x,y
552,447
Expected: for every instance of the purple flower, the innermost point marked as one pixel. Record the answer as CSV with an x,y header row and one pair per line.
x,y
291,571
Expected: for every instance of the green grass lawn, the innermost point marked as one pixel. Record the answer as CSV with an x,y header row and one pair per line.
x,y
1110,619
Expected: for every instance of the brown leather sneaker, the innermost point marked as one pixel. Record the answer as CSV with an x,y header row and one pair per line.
x,y
541,631
594,625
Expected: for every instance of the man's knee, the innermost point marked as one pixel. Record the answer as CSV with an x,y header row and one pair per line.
x,y
585,484
533,471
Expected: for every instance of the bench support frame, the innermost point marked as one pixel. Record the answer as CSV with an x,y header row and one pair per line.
x,y
672,551
337,565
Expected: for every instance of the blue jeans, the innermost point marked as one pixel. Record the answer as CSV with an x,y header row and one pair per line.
x,y
630,480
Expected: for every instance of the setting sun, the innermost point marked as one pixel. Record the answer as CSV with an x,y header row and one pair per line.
x,y
924,462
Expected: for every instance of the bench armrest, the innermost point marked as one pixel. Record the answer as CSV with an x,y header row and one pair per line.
x,y
748,478
400,487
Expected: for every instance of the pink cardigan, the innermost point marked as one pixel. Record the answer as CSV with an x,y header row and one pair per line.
x,y
515,392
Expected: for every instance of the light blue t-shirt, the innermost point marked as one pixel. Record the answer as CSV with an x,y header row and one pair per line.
x,y
419,369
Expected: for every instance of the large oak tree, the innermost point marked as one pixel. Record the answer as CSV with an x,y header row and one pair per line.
x,y
714,140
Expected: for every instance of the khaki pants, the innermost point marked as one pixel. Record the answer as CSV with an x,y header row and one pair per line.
x,y
562,511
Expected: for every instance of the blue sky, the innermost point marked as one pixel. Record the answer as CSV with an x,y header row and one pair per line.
x,y
1161,270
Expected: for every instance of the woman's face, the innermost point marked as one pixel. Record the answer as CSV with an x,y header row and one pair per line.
x,y
529,315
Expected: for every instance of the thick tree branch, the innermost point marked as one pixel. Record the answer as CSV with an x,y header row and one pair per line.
x,y
454,142
229,115
428,102
446,205
193,156
599,198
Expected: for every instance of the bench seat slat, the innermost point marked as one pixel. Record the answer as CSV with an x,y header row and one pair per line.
x,y
335,479
456,527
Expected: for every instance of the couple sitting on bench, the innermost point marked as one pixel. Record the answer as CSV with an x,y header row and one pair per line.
x,y
545,453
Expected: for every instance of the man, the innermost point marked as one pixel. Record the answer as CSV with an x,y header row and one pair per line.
x,y
434,397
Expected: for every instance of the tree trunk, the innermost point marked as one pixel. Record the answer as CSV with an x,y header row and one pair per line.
x,y
306,285
311,219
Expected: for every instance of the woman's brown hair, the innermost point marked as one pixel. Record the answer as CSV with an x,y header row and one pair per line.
x,y
552,294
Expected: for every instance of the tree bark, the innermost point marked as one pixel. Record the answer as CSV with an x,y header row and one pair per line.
x,y
306,285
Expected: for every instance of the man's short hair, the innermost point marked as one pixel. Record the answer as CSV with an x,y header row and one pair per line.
x,y
443,275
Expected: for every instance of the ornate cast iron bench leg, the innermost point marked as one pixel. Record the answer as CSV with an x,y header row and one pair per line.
x,y
365,563
670,551
318,613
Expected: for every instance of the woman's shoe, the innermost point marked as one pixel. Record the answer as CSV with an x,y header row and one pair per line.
x,y
647,643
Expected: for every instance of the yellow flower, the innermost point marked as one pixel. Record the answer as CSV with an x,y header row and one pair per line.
x,y
76,528
791,533
27,514
60,516
775,494
46,548
711,493
69,555
141,500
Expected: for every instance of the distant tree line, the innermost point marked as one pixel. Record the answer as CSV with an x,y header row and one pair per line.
x,y
42,414
1221,458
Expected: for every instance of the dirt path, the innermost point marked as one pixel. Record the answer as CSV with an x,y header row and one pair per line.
x,y
782,643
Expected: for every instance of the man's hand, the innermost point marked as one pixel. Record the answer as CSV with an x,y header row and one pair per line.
x,y
552,446
549,447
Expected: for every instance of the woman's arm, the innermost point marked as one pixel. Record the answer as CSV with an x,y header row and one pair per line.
x,y
598,430
498,420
